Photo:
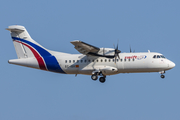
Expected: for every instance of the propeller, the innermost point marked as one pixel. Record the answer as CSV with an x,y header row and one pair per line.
x,y
116,53
131,50
103,52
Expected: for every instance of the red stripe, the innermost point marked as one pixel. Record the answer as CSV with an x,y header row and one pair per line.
x,y
37,56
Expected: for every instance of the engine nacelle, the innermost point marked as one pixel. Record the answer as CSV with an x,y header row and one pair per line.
x,y
106,52
107,70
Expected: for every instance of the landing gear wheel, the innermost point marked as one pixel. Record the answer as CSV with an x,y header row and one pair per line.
x,y
94,77
102,79
162,76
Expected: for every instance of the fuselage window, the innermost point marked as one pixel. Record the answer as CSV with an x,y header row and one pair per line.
x,y
92,60
81,60
109,60
113,60
129,59
69,61
133,59
65,61
96,60
77,61
105,60
89,60
84,60
101,60
73,61
117,60
121,60
125,60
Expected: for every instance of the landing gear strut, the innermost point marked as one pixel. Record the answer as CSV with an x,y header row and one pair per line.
x,y
162,76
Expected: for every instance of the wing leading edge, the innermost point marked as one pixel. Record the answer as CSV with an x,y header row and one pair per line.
x,y
88,49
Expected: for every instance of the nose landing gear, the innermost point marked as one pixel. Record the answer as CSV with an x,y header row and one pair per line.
x,y
162,76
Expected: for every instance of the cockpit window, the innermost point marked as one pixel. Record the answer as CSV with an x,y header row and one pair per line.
x,y
162,56
158,56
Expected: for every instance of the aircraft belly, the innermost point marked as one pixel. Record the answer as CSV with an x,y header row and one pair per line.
x,y
69,69
141,70
87,70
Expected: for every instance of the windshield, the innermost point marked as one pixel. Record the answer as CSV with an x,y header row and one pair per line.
x,y
162,56
158,56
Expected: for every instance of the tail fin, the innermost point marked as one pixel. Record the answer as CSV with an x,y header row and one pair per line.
x,y
26,47
22,41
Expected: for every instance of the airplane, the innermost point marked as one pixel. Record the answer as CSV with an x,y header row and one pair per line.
x,y
92,61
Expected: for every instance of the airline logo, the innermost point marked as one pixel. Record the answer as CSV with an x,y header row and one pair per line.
x,y
136,57
141,57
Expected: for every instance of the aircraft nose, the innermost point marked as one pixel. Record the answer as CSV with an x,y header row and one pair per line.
x,y
171,64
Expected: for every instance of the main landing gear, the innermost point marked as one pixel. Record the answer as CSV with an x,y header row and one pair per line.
x,y
101,79
94,77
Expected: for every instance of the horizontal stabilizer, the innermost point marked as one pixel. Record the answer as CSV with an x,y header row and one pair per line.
x,y
16,28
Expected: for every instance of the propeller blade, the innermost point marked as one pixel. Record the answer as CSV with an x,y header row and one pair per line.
x,y
118,57
103,51
115,59
130,48
116,52
117,44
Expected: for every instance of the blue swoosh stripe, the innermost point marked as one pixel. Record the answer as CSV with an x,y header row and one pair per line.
x,y
51,62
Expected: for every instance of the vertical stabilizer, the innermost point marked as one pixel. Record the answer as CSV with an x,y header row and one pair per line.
x,y
21,38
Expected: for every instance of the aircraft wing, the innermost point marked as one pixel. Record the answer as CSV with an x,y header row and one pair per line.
x,y
84,48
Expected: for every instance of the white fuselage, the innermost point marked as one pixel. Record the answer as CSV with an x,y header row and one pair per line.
x,y
128,63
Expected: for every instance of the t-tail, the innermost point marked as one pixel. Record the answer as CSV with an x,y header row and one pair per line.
x,y
30,53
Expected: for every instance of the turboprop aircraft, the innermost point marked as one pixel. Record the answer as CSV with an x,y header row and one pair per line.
x,y
92,61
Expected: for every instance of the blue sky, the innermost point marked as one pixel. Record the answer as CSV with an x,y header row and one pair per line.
x,y
27,93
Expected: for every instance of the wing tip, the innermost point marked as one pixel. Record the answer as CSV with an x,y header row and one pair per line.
x,y
76,41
